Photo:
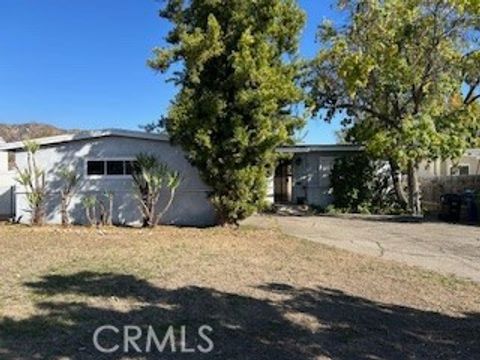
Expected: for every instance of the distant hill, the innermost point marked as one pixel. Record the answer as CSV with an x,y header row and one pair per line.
x,y
19,132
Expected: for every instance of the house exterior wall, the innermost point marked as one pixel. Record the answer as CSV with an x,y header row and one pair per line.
x,y
3,162
470,161
311,177
443,168
190,207
433,168
7,180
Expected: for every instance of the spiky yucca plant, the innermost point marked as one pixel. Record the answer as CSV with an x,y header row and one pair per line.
x,y
70,179
150,178
32,178
90,203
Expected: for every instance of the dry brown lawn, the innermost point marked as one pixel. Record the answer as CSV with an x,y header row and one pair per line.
x,y
266,296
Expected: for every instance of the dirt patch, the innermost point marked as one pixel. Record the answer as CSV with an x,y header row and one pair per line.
x,y
266,295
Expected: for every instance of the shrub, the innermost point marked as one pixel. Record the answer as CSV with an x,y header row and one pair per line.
x,y
360,185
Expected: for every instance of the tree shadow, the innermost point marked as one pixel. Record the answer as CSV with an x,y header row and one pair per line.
x,y
286,323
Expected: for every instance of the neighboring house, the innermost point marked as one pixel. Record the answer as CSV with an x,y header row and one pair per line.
x,y
469,164
305,178
449,177
101,159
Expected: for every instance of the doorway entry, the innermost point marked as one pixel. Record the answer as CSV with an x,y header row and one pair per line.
x,y
283,182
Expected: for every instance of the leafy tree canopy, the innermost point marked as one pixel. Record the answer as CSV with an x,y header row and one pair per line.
x,y
237,83
406,74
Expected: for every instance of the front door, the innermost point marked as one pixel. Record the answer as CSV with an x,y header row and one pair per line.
x,y
283,183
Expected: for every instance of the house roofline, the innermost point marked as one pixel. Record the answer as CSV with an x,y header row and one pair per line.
x,y
85,135
296,149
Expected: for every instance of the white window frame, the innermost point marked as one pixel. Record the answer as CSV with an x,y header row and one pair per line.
x,y
105,160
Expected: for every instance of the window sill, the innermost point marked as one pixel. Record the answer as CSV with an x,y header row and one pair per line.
x,y
109,177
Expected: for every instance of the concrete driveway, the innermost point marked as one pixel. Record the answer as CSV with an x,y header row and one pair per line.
x,y
441,247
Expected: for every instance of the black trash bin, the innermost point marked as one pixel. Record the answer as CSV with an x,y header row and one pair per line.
x,y
469,201
451,207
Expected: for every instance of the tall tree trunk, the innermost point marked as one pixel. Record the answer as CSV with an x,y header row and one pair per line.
x,y
398,184
414,200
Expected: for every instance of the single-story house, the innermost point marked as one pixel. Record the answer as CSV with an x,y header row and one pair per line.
x,y
101,159
305,177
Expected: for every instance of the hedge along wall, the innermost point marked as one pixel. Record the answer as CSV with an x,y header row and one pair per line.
x,y
434,187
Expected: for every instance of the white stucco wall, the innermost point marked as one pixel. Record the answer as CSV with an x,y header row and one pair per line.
x,y
7,180
3,162
471,159
190,207
270,191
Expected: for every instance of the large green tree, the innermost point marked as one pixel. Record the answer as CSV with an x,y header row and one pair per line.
x,y
237,74
405,74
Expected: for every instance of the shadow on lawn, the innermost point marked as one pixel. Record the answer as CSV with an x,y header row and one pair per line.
x,y
345,327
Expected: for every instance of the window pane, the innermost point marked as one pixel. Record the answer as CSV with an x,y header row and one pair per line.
x,y
463,170
129,166
96,168
114,167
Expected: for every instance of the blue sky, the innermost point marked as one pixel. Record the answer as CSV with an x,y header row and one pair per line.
x,y
82,63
